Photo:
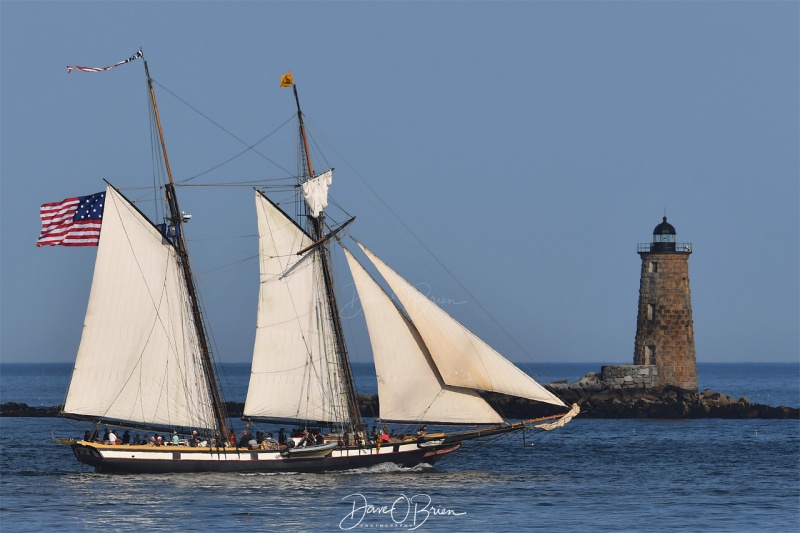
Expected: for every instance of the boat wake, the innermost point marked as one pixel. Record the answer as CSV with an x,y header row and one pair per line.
x,y
390,468
251,474
383,468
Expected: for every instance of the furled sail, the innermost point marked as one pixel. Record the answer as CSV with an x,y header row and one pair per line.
x,y
294,373
315,191
462,358
409,386
139,357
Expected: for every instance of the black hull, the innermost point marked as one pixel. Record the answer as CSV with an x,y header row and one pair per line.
x,y
406,458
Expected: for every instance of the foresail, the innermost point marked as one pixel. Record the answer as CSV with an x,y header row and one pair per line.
x,y
409,386
294,374
462,358
139,357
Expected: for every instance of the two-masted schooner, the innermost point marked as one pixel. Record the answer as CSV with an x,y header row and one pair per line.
x,y
145,362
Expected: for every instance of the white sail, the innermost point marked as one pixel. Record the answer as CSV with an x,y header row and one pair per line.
x,y
315,191
409,386
462,358
139,358
294,373
563,421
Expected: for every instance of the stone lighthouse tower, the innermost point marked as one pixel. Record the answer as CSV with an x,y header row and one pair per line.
x,y
664,328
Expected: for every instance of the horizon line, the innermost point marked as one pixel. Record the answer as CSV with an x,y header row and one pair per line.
x,y
518,363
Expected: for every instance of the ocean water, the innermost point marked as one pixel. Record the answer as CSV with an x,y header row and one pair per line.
x,y
592,475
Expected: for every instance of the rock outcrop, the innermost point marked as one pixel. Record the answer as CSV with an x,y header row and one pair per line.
x,y
596,398
22,409
601,400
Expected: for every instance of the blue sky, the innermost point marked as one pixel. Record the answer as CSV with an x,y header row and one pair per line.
x,y
529,145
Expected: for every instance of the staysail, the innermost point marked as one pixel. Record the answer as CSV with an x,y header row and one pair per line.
x,y
294,373
139,358
409,385
463,359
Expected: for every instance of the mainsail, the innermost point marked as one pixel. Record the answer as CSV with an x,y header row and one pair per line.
x,y
409,385
295,373
463,359
139,358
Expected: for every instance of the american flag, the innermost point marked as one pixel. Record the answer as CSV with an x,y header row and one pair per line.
x,y
137,55
72,222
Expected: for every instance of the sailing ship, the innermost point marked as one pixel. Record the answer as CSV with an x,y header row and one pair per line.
x,y
144,359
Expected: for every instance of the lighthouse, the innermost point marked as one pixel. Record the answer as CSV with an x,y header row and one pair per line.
x,y
664,327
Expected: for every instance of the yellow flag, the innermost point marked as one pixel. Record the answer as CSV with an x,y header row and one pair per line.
x,y
286,80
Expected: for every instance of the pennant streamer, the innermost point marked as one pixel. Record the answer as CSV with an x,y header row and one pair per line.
x,y
137,55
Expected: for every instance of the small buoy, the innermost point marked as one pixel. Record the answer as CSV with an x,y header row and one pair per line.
x,y
533,443
756,433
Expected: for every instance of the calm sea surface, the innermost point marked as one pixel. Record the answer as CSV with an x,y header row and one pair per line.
x,y
592,475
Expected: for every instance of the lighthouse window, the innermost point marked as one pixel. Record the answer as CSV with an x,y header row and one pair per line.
x,y
651,312
650,355
652,266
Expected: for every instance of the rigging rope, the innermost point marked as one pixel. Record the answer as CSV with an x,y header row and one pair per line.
x,y
426,248
249,146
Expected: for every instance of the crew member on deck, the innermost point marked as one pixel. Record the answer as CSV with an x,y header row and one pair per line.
x,y
269,443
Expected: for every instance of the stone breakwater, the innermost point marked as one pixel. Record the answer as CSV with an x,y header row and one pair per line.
x,y
596,397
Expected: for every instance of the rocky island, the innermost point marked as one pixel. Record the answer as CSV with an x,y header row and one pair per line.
x,y
597,398
600,399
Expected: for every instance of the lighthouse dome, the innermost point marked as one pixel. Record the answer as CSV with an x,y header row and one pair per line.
x,y
665,228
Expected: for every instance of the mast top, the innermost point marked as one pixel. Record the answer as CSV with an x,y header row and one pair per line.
x,y
288,81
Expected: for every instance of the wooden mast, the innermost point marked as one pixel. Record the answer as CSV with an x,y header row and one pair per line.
x,y
317,227
176,219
